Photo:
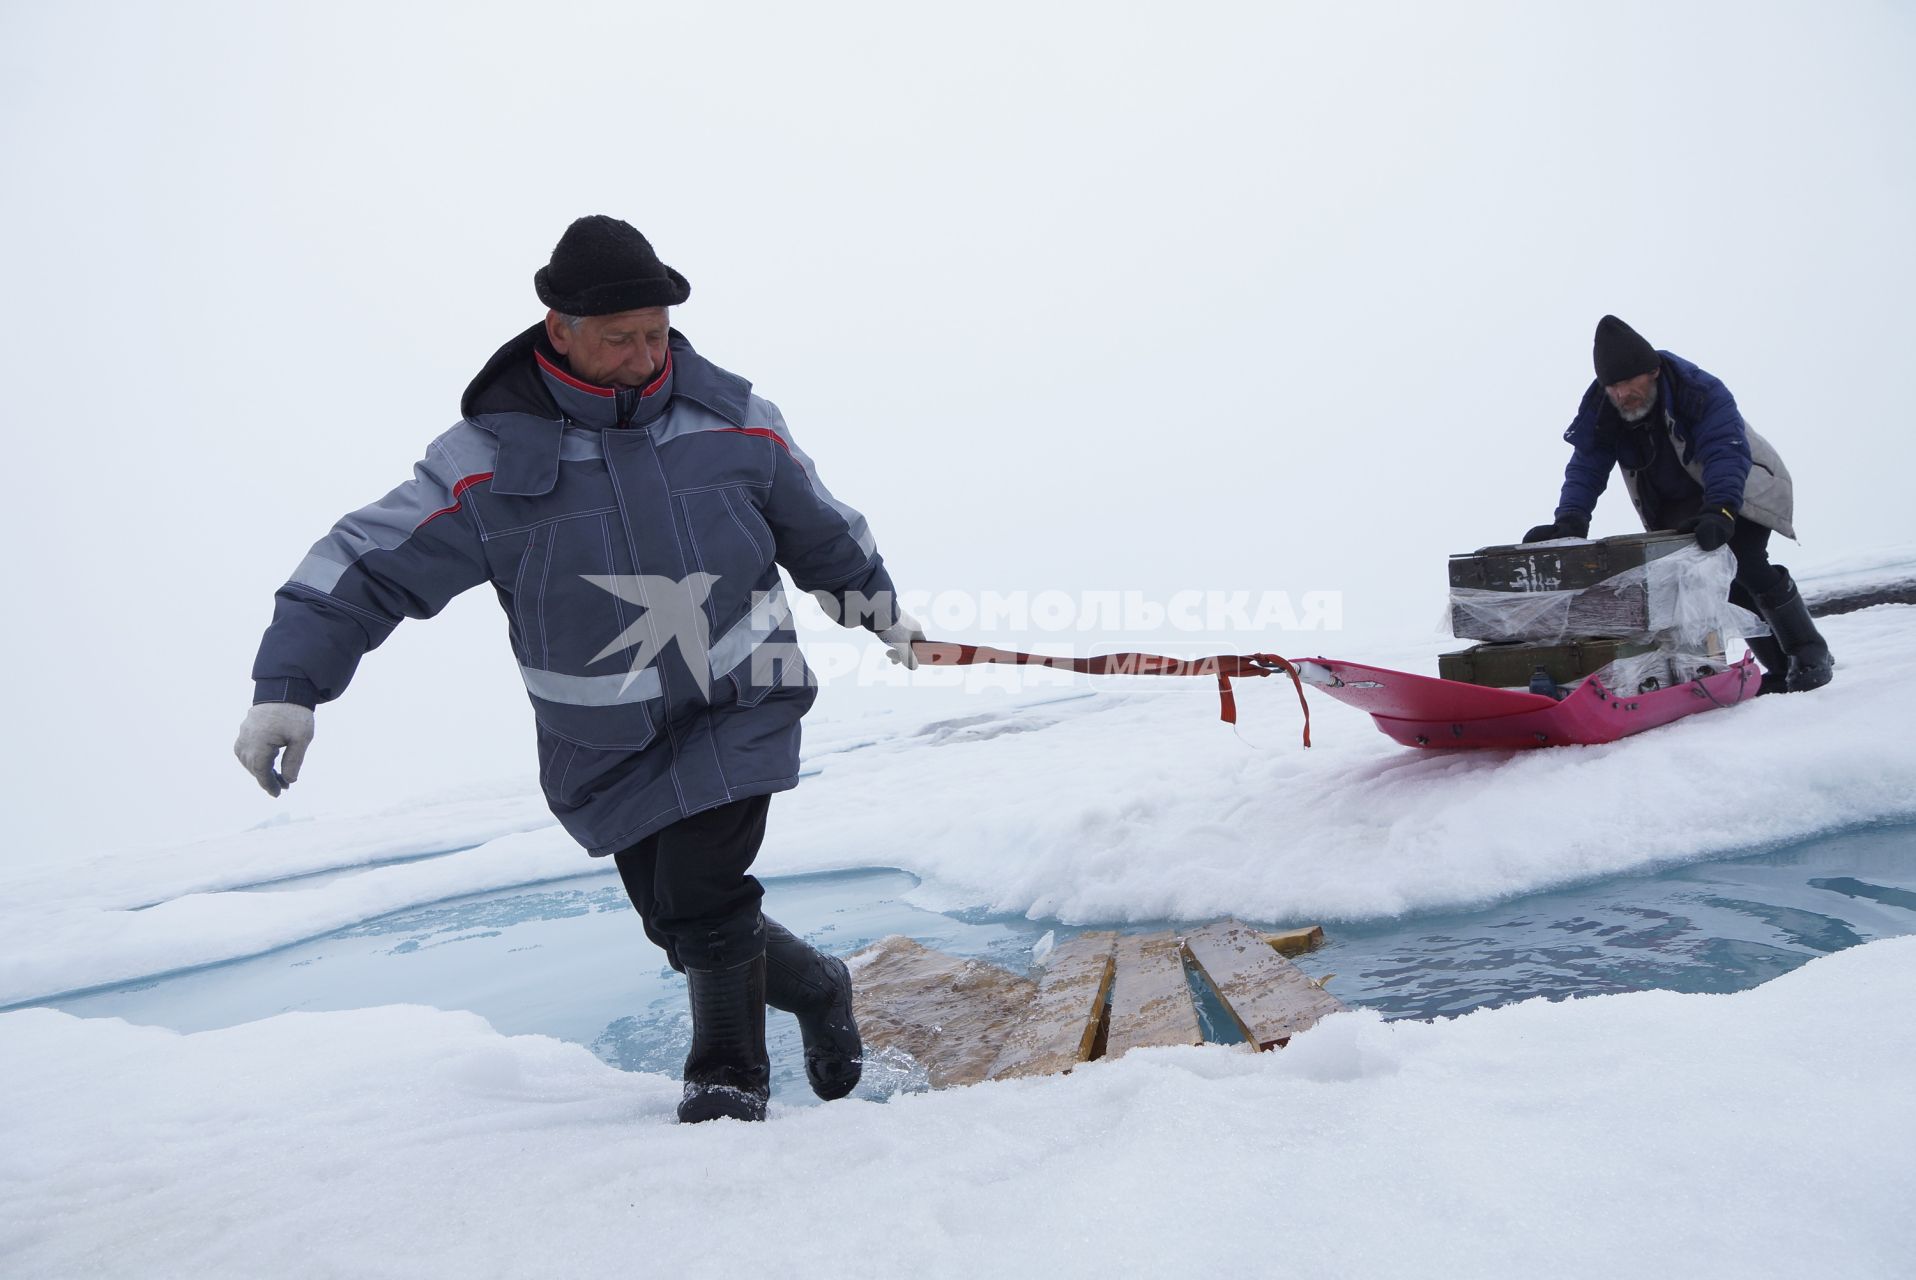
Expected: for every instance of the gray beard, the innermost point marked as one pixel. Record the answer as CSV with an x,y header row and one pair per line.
x,y
1639,415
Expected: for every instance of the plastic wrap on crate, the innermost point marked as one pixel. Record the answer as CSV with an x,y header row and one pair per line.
x,y
1683,596
1658,669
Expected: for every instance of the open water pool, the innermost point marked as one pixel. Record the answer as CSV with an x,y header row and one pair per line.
x,y
568,958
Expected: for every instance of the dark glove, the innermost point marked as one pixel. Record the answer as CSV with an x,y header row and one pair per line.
x,y
1712,528
1569,525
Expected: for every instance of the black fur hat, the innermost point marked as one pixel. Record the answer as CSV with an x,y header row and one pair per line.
x,y
1621,353
602,266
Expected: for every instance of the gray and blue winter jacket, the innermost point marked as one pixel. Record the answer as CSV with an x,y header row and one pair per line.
x,y
1694,448
632,537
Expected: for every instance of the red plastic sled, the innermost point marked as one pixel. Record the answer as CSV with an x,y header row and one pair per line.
x,y
1421,711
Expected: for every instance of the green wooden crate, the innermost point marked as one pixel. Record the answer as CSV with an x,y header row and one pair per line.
x,y
1506,666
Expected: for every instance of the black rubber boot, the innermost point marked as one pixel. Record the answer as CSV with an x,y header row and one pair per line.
x,y
1811,665
1776,663
727,1074
817,989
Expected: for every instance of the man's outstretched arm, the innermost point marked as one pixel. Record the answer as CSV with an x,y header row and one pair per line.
x,y
404,556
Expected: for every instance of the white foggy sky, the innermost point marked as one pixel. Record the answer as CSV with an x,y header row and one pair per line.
x,y
1069,296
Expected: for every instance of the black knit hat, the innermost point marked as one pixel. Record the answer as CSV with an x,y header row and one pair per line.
x,y
602,266
1621,353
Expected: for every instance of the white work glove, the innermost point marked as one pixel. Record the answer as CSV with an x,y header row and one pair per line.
x,y
898,638
268,727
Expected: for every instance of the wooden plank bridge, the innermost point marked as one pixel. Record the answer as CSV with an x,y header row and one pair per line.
x,y
1097,995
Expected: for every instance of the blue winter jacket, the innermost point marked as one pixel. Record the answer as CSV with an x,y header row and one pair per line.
x,y
596,513
1713,446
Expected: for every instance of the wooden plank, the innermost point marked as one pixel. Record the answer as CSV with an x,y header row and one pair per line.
x,y
1066,1012
1297,942
1150,997
1270,998
949,1014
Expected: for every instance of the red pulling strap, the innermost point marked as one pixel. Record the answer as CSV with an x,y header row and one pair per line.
x,y
937,653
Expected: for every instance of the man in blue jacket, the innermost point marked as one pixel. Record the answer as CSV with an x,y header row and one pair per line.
x,y
630,503
1691,463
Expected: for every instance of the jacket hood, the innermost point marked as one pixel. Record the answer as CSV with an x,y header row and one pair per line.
x,y
509,382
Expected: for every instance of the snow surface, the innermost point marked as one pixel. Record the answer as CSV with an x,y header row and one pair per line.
x,y
1114,807
1761,1134
1857,571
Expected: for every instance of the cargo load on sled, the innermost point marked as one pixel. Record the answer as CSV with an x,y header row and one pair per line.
x,y
1580,642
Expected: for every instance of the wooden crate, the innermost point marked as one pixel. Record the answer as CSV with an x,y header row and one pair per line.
x,y
1583,576
1608,609
1510,666
1531,567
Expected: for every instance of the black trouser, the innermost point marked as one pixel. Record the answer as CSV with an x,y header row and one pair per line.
x,y
690,886
1749,543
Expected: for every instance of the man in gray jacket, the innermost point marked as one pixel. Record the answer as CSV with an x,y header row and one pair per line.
x,y
630,503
